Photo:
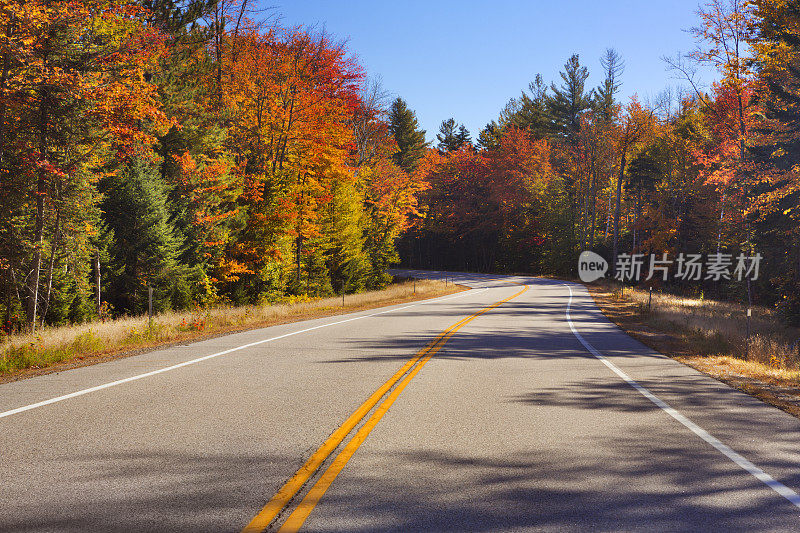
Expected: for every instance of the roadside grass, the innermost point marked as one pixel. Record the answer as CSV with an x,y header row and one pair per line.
x,y
708,334
96,341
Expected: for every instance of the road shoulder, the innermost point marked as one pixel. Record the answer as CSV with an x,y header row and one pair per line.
x,y
121,351
780,393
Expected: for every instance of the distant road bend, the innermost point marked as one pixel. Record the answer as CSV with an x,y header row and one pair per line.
x,y
514,406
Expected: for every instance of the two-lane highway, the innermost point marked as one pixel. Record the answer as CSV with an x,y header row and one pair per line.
x,y
515,406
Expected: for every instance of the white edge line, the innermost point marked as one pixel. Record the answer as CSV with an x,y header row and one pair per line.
x,y
726,450
224,352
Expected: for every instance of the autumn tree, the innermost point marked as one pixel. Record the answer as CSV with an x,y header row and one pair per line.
x,y
484,209
722,36
73,96
388,190
183,146
776,196
637,123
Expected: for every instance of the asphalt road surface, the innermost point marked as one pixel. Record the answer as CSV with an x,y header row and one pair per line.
x,y
515,406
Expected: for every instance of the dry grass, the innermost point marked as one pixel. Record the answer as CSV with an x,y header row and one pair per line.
x,y
710,336
720,328
53,346
754,369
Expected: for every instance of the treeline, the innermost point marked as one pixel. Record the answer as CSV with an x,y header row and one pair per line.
x,y
182,147
567,168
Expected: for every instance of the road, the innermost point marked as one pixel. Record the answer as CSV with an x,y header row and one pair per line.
x,y
514,406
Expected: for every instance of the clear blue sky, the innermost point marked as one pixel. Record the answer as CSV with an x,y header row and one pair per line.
x,y
465,59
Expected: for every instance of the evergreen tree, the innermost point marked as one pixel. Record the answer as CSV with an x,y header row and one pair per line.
x,y
644,170
410,139
613,66
531,112
452,136
184,96
145,247
174,17
448,136
570,100
463,137
489,137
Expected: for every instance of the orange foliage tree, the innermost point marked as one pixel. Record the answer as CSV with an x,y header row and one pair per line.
x,y
72,96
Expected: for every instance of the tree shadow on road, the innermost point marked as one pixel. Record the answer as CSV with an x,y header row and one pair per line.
x,y
629,484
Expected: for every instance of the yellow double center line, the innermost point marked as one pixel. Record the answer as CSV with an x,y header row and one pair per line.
x,y
301,477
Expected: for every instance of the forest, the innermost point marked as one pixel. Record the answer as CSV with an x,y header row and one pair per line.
x,y
699,170
185,148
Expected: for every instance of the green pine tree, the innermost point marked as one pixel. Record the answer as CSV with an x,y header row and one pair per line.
x,y
489,137
175,17
531,112
463,136
410,139
605,95
450,136
145,246
567,102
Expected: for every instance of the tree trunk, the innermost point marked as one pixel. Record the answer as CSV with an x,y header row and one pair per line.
x,y
33,280
299,240
573,193
3,106
721,221
617,209
97,281
637,215
594,211
41,190
635,220
51,265
609,216
219,27
585,214
298,256
9,300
